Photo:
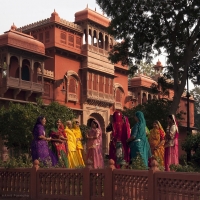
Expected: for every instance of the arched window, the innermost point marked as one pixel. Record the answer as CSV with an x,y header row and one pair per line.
x,y
101,84
118,95
25,73
14,67
72,84
95,83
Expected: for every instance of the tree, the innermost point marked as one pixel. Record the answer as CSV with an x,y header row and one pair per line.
x,y
149,26
155,109
146,69
17,122
196,94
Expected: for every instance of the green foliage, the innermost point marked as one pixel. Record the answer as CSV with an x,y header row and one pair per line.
x,y
55,111
143,67
138,163
196,94
192,144
84,130
153,26
153,110
16,125
182,168
17,122
23,161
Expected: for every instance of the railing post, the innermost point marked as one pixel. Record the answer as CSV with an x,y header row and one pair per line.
x,y
86,183
108,184
151,179
34,180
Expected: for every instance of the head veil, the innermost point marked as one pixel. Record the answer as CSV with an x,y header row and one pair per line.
x,y
142,122
160,127
38,122
100,137
175,123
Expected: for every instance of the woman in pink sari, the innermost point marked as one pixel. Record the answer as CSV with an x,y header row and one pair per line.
x,y
171,143
94,145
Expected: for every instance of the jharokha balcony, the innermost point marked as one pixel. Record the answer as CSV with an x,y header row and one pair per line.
x,y
16,83
101,97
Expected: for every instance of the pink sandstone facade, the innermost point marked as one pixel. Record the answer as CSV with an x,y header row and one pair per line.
x,y
67,62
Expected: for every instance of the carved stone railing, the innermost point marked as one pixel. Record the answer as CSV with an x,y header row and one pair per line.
x,y
100,96
71,25
118,106
88,47
106,184
72,97
33,25
46,73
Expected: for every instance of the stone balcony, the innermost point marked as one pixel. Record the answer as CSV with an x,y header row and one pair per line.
x,y
88,47
16,83
118,106
100,97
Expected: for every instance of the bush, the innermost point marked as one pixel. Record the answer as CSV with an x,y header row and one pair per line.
x,y
192,144
17,122
150,113
22,161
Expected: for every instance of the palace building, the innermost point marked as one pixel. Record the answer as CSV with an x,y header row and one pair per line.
x,y
68,62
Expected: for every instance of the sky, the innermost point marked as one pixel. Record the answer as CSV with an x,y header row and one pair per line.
x,y
24,12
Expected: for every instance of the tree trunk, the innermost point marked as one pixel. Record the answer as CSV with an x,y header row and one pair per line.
x,y
178,90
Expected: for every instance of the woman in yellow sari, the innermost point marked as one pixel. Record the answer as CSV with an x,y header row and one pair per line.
x,y
72,154
156,141
79,146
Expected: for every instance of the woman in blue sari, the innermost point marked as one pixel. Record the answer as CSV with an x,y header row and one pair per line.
x,y
138,142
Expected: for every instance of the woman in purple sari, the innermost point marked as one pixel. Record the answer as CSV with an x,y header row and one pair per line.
x,y
94,145
39,147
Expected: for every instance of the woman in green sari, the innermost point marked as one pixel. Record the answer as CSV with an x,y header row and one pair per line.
x,y
138,142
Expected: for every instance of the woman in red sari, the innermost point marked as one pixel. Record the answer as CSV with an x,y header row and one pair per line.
x,y
59,142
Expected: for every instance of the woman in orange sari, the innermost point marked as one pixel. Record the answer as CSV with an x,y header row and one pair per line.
x,y
157,141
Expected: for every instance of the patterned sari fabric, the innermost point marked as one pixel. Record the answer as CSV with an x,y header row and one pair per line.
x,y
79,147
39,147
171,145
140,145
94,147
120,133
72,153
155,137
60,148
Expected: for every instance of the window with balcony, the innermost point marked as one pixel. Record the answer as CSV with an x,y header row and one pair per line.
x,y
118,95
63,37
78,42
41,37
47,36
72,89
72,85
71,40
95,82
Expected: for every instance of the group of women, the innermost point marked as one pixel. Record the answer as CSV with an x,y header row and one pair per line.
x,y
162,145
125,145
67,148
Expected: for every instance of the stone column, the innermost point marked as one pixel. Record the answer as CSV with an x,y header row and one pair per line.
x,y
8,63
20,69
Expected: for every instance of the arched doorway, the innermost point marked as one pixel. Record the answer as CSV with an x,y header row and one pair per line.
x,y
101,121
